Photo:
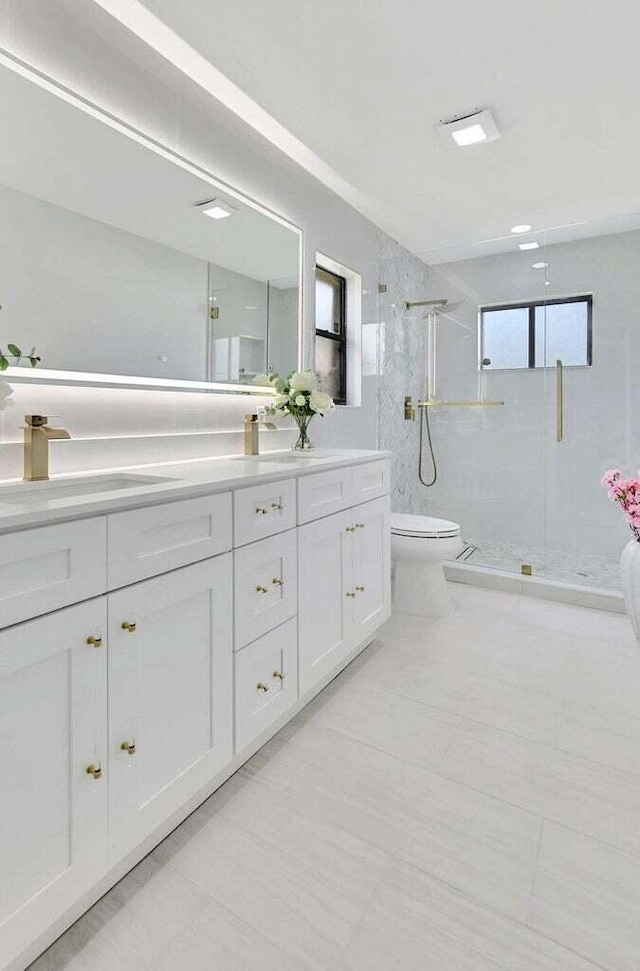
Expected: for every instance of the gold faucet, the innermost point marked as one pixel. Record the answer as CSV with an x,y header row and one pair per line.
x,y
37,435
252,432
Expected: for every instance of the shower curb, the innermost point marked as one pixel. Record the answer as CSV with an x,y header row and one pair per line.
x,y
581,596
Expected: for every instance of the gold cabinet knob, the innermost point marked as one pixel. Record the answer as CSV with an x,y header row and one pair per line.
x,y
360,589
94,641
128,747
129,627
261,589
261,512
350,529
279,675
359,525
262,687
277,505
94,770
278,582
350,594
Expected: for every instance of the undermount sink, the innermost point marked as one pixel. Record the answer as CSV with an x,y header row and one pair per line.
x,y
36,492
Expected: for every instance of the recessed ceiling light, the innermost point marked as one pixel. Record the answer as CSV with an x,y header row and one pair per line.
x,y
532,245
539,266
215,209
521,228
547,283
472,129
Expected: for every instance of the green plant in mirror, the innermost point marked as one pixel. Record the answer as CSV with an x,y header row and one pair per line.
x,y
15,355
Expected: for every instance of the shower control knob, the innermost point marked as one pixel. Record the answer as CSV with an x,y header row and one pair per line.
x,y
486,361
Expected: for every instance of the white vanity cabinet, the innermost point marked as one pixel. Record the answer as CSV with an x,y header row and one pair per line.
x,y
170,695
344,586
175,639
53,768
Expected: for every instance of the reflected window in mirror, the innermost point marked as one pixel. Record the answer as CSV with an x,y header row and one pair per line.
x,y
331,334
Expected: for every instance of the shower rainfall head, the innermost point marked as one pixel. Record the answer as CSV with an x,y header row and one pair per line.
x,y
427,303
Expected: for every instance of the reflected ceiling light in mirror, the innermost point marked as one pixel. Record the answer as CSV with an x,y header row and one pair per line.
x,y
521,228
539,266
472,129
531,245
215,209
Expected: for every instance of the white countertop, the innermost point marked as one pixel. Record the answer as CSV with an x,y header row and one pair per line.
x,y
183,480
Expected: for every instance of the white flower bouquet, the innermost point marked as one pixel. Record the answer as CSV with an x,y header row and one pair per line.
x,y
298,395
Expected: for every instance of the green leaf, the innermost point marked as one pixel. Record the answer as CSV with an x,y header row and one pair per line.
x,y
4,364
14,350
33,361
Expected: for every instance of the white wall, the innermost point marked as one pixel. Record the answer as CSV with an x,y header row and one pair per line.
x,y
502,474
80,45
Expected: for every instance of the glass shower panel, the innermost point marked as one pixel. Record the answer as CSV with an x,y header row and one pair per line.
x,y
591,361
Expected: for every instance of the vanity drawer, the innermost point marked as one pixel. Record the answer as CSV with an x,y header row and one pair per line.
x,y
266,679
145,542
371,480
263,510
50,567
324,493
265,586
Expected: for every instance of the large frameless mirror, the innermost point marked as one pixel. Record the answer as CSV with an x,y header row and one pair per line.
x,y
118,258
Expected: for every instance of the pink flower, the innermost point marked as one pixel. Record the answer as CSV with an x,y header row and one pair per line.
x,y
610,477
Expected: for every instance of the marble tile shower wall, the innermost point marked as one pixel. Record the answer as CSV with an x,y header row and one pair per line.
x,y
401,354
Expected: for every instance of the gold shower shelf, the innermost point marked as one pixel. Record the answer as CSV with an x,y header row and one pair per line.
x,y
459,404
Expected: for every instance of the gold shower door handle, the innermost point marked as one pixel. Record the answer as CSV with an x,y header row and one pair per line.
x,y
559,401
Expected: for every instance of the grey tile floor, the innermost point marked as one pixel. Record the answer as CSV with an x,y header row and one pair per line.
x,y
464,797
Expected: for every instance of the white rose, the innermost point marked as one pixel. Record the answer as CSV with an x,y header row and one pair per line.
x,y
320,401
281,400
303,381
5,394
300,401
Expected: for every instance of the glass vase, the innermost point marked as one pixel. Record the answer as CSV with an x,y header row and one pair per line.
x,y
302,443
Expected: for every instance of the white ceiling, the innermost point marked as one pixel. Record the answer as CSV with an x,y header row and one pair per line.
x,y
363,84
64,156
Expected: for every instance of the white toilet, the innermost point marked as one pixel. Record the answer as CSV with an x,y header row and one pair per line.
x,y
419,547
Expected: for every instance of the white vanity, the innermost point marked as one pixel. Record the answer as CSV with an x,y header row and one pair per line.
x,y
156,631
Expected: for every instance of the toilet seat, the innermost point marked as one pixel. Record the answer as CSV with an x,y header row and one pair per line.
x,y
423,527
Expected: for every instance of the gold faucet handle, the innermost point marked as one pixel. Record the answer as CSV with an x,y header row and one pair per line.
x,y
38,421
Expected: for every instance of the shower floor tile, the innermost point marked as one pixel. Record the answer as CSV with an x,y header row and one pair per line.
x,y
593,571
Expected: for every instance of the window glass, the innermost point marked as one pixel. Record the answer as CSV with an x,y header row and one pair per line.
x,y
329,299
329,366
505,338
562,334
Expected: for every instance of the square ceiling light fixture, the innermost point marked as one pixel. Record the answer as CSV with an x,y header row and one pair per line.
x,y
473,129
215,209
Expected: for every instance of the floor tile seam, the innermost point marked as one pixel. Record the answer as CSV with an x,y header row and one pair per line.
x,y
524,924
578,760
258,931
555,822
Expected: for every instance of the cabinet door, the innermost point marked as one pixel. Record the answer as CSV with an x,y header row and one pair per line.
x,y
325,596
371,577
53,812
170,694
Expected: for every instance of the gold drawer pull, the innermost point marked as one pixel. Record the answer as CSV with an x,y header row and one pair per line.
x,y
261,512
277,505
350,529
360,589
359,525
262,687
350,594
279,675
129,748
94,770
278,582
129,627
261,589
94,642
